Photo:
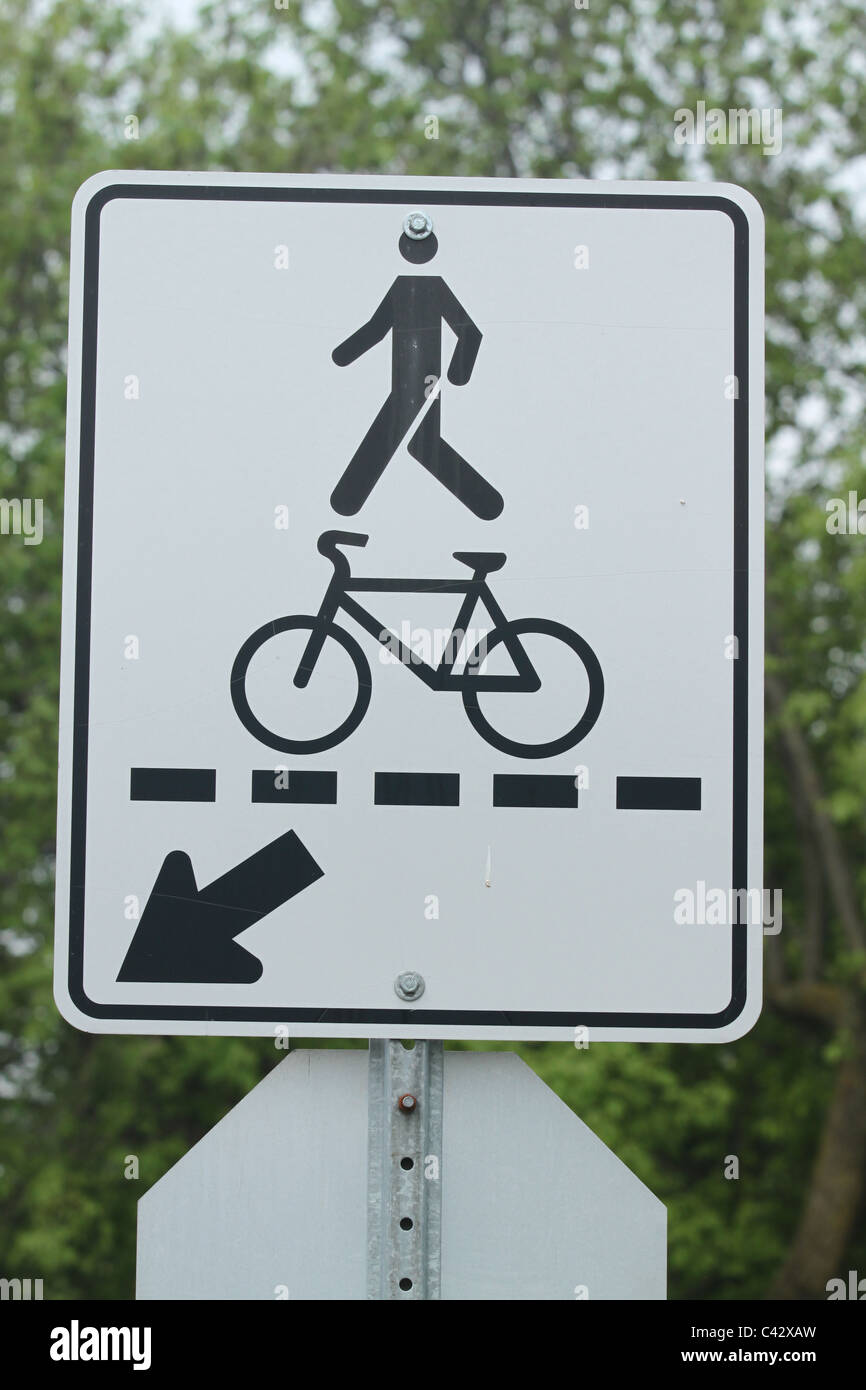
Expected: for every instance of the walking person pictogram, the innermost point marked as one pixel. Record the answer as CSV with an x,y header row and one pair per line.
x,y
413,311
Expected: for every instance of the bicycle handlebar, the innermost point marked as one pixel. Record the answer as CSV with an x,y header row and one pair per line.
x,y
327,546
329,540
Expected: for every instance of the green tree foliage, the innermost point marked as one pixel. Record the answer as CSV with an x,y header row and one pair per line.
x,y
516,87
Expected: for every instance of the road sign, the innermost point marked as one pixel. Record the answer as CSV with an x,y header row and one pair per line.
x,y
412,609
271,1204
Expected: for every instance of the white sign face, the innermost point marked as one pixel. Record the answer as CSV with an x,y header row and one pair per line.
x,y
411,675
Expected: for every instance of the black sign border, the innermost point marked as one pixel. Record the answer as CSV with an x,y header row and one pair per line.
x,y
404,1019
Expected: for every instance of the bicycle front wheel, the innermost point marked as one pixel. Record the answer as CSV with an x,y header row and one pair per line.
x,y
579,681
272,708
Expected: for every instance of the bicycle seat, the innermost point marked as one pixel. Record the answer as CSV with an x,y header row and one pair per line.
x,y
482,561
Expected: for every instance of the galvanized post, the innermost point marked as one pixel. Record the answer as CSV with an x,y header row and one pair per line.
x,y
404,1167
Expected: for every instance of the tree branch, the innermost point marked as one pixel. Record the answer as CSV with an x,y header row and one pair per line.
x,y
828,841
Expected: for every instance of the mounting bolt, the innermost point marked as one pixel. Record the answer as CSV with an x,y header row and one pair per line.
x,y
407,1103
409,985
418,225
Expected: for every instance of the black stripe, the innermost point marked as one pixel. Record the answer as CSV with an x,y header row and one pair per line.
x,y
304,787
658,793
533,789
417,789
172,784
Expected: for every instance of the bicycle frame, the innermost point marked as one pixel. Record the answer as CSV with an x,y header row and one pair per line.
x,y
441,677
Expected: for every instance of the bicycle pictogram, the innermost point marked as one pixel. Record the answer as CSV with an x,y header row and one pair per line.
x,y
472,680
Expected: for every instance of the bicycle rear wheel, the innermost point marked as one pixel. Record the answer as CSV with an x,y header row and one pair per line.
x,y
513,631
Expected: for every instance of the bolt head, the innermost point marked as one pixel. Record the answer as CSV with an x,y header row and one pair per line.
x,y
407,1102
409,985
418,225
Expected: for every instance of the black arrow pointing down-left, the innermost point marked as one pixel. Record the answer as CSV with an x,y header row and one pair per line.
x,y
187,934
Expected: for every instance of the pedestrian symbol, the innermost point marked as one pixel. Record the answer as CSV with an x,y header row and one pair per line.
x,y
413,311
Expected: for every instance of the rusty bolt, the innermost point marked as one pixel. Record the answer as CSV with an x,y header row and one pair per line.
x,y
407,1103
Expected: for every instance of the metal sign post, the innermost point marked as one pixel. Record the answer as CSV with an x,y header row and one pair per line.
x,y
404,1163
